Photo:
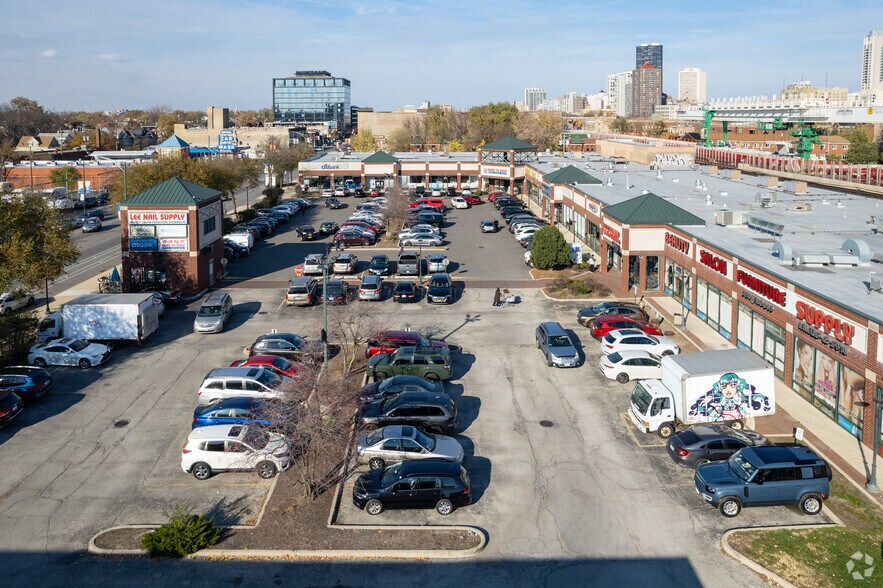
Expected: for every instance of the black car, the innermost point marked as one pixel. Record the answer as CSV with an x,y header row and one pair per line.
x,y
287,345
336,291
432,218
167,297
238,249
397,384
451,191
306,232
440,290
379,265
431,411
359,193
103,198
420,191
500,203
712,442
334,203
97,213
629,309
28,382
509,211
405,292
89,202
415,483
10,407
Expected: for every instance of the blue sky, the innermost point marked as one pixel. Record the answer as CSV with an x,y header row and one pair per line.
x,y
108,54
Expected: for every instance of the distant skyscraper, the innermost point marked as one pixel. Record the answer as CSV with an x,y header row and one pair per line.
x,y
692,83
533,97
872,67
648,53
619,93
646,90
312,97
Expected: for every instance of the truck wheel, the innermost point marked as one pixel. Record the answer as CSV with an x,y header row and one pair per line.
x,y
666,430
40,362
737,425
84,363
811,504
730,506
622,378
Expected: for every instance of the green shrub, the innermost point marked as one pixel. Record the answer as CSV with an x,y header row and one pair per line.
x,y
561,283
272,196
246,215
227,224
549,249
17,333
597,287
185,533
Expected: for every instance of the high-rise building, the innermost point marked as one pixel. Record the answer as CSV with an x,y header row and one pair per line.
x,y
619,93
312,97
692,85
648,53
646,90
872,67
533,97
805,93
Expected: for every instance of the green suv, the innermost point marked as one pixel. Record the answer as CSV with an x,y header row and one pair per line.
x,y
426,362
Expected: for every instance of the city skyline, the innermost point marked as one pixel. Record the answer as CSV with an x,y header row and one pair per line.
x,y
189,55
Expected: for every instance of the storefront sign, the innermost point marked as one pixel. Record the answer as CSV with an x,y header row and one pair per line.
x,y
828,329
757,300
490,170
171,231
158,217
142,231
713,261
677,243
611,233
593,208
762,287
172,244
330,166
547,191
142,244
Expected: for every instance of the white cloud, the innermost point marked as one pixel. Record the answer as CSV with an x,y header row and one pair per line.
x,y
49,53
110,57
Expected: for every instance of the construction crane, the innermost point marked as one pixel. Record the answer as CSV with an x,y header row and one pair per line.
x,y
805,136
706,131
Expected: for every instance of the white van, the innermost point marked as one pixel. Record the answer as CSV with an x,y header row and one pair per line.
x,y
245,239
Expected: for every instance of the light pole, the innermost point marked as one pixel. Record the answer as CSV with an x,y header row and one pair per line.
x,y
325,305
871,484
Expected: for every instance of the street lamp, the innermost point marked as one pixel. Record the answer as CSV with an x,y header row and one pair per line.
x,y
325,305
871,484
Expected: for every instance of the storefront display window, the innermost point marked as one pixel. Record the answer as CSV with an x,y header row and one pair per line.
x,y
652,283
678,283
762,336
594,236
714,307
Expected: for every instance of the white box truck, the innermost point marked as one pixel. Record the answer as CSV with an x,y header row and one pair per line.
x,y
724,386
102,317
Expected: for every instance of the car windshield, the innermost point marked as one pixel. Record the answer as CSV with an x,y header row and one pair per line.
x,y
427,441
281,363
404,287
269,379
641,398
614,357
374,437
78,345
438,283
559,341
256,438
209,311
741,467
391,475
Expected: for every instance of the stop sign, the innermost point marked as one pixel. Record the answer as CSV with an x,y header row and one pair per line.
x,y
298,270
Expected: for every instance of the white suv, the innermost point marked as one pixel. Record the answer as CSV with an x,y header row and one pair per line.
x,y
224,448
253,382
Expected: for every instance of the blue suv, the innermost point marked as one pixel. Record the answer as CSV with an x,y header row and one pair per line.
x,y
765,476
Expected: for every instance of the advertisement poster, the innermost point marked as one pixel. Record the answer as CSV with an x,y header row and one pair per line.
x,y
826,380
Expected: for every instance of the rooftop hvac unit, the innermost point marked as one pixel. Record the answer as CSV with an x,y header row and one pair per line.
x,y
802,207
813,259
729,218
875,283
844,260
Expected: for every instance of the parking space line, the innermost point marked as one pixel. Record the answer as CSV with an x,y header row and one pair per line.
x,y
628,427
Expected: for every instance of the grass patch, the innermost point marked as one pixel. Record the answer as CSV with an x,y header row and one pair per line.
x,y
819,557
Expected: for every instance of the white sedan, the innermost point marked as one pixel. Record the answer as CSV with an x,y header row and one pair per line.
x,y
623,366
418,232
458,202
634,340
420,240
68,352
526,232
327,193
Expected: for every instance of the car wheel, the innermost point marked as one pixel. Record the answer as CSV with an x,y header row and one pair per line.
x,y
201,470
444,507
39,362
699,462
266,469
666,430
811,504
548,361
737,425
432,376
622,378
376,463
84,363
667,352
380,376
730,506
374,507
408,244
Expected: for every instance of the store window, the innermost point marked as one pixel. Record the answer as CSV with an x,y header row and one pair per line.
x,y
679,283
594,236
652,283
761,335
832,387
714,307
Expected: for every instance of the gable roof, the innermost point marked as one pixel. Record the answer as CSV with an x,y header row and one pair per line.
x,y
173,192
650,209
173,142
508,144
380,157
570,175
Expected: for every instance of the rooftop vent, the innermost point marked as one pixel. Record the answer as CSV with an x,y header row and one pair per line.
x,y
802,207
783,251
765,226
809,258
858,249
729,218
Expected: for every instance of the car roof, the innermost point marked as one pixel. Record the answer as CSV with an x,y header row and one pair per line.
x,y
380,257
217,432
418,467
621,333
345,256
302,281
335,284
235,372
371,279
436,255
634,353
20,369
232,402
553,328
440,276
401,335
778,455
313,256
261,358
290,337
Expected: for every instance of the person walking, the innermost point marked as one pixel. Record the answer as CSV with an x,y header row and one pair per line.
x,y
303,211
336,245
497,297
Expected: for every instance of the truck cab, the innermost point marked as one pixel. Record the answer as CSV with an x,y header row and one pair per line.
x,y
49,328
651,405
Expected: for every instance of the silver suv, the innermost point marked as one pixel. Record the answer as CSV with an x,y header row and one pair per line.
x,y
252,382
313,264
302,291
556,345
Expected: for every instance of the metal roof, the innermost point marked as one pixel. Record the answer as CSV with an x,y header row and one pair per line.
x,y
173,192
650,209
570,175
173,142
380,157
509,144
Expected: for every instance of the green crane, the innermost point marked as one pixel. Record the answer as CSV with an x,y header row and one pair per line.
x,y
805,136
706,131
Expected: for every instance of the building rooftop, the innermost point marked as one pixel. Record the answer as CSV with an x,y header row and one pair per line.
x,y
508,144
173,142
173,192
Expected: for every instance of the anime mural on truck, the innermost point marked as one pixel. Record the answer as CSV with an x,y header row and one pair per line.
x,y
730,398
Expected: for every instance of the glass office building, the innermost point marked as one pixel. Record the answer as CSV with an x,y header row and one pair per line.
x,y
311,97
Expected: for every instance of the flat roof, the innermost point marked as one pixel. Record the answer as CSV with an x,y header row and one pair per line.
x,y
425,156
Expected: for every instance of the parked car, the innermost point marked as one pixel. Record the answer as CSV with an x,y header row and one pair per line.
x,y
763,476
254,382
359,193
68,352
630,339
389,341
29,383
237,410
328,228
440,289
213,313
334,203
436,262
395,443
396,384
471,199
420,241
306,232
426,362
371,288
711,442
288,345
327,193
374,193
15,300
435,412
488,226
339,191
627,309
336,291
408,264
302,291
623,366
429,483
601,325
379,265
313,264
277,364
405,291
10,407
167,297
556,345
222,448
350,237
459,202
238,249
345,263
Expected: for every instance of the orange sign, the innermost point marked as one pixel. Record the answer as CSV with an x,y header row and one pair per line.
x,y
298,270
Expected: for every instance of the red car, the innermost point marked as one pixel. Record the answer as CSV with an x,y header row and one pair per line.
x,y
361,225
473,200
602,325
275,363
374,193
352,238
494,195
389,341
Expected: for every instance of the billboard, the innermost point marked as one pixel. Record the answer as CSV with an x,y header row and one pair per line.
x,y
226,141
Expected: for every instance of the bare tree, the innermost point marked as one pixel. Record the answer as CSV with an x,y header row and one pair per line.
x,y
351,326
397,210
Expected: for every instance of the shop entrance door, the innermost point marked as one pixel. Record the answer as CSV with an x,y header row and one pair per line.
x,y
211,271
774,349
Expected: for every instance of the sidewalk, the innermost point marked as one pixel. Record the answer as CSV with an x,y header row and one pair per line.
x,y
834,442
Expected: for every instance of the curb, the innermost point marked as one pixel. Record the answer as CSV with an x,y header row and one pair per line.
x,y
543,290
750,563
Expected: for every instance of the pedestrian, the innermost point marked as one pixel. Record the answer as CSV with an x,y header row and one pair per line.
x,y
497,297
303,211
337,245
401,248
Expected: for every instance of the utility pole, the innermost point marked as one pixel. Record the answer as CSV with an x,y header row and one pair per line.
x,y
325,306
